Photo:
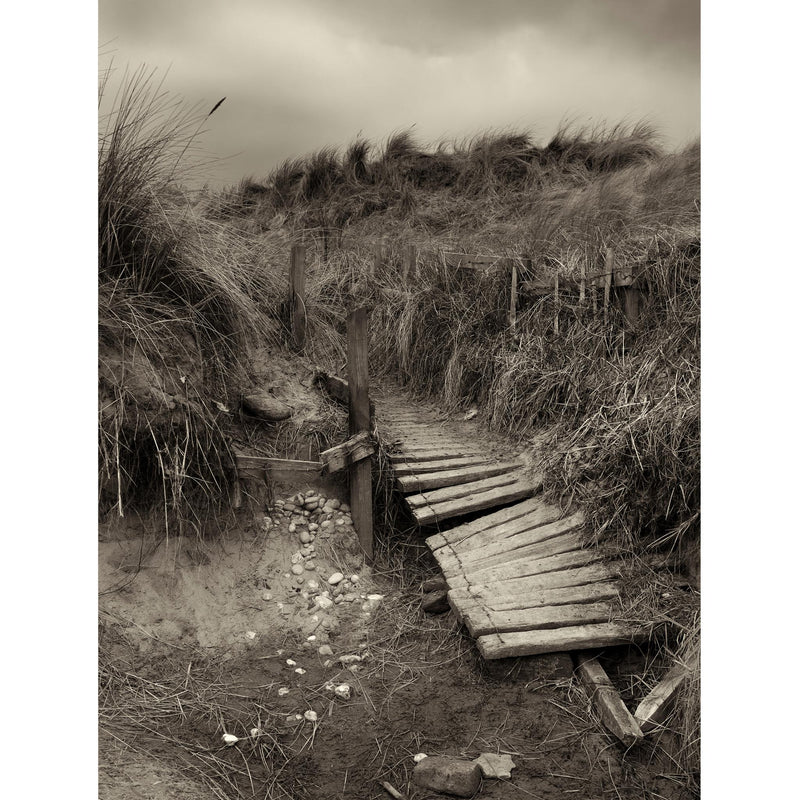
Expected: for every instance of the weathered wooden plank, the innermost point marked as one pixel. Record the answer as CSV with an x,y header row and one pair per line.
x,y
476,540
514,536
525,567
565,543
423,467
567,595
245,462
606,700
481,622
452,477
508,589
477,502
453,492
350,452
653,710
503,517
557,640
359,420
435,453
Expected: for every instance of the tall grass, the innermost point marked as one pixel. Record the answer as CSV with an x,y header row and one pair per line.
x,y
177,293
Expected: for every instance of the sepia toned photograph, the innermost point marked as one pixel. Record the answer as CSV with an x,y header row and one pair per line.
x,y
399,331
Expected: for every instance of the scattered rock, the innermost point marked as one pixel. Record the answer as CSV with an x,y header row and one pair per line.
x,y
337,577
325,650
229,739
419,756
495,766
283,691
449,775
342,691
311,716
265,406
435,603
438,584
250,635
349,659
298,569
324,602
306,537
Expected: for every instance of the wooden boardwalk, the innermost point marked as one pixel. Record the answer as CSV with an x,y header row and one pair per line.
x,y
519,577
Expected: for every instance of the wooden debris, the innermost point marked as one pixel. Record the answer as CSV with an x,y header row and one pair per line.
x,y
257,464
652,711
606,700
481,622
453,477
418,468
458,490
352,451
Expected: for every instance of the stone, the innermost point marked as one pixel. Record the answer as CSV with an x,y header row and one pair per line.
x,y
298,569
334,503
313,526
265,406
325,650
311,566
337,577
438,584
342,691
449,775
324,602
292,527
344,507
346,660
495,766
354,579
435,603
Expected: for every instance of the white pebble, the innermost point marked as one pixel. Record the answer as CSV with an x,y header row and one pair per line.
x,y
250,635
337,577
343,691
283,691
229,739
311,716
325,650
419,756
300,671
291,662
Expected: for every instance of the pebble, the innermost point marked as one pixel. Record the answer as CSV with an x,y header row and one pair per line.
x,y
354,579
340,521
250,635
311,493
292,527
349,659
343,507
298,569
349,597
299,580
311,716
342,691
300,671
324,602
334,503
266,596
338,599
290,662
306,537
283,691
311,566
326,524
337,577
325,650
312,585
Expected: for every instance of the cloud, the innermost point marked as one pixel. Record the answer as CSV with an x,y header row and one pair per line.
x,y
309,73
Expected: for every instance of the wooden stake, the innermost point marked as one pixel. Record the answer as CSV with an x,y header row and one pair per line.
x,y
609,271
555,321
409,263
512,312
358,380
377,263
297,295
582,297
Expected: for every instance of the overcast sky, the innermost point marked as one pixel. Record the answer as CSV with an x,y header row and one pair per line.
x,y
301,74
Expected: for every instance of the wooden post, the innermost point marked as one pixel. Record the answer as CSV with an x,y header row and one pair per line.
x,y
358,379
297,295
376,266
582,297
555,292
512,311
623,278
607,275
409,262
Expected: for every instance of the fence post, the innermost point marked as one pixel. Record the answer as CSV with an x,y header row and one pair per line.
x,y
512,312
358,380
556,299
630,295
297,295
607,275
582,296
409,262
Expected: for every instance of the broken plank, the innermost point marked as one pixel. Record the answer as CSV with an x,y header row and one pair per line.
x,y
462,600
550,580
448,493
606,700
355,449
466,505
529,532
434,453
263,462
653,710
556,640
481,622
485,523
525,567
422,467
452,477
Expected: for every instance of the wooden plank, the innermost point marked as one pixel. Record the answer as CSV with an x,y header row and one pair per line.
x,y
606,700
452,477
477,502
262,462
481,622
447,493
557,640
630,304
297,295
423,467
653,710
503,517
566,543
475,536
465,603
508,589
433,454
534,539
525,567
350,452
359,421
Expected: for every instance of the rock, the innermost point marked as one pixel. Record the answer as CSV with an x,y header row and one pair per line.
x,y
229,739
292,527
311,716
344,507
312,585
313,527
265,406
337,577
346,660
495,766
354,579
438,584
349,597
311,566
342,691
334,503
419,756
449,775
324,602
283,691
325,650
298,569
267,596
435,603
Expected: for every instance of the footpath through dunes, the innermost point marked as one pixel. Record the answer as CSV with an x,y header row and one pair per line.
x,y
519,573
